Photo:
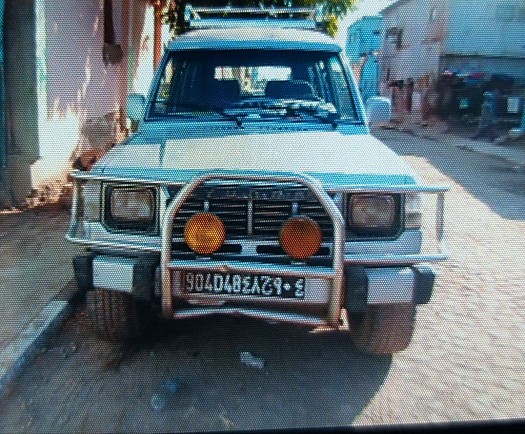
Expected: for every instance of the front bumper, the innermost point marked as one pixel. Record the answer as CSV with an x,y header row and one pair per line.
x,y
389,278
363,286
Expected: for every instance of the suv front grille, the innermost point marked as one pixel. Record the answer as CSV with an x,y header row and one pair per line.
x,y
316,212
269,216
190,207
252,218
234,215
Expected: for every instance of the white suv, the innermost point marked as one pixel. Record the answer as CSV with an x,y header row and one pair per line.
x,y
252,186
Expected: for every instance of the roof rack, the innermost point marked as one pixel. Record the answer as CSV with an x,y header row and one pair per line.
x,y
225,17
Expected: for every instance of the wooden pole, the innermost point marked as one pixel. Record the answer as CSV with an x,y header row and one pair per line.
x,y
159,5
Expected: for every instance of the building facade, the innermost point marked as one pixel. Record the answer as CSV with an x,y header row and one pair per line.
x,y
425,38
489,38
68,71
414,34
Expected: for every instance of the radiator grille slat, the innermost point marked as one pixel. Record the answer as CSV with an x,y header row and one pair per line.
x,y
316,212
191,206
269,216
233,213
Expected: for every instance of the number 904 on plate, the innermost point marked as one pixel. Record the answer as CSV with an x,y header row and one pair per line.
x,y
243,284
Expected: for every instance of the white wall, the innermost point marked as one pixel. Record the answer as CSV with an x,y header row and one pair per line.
x,y
74,84
421,41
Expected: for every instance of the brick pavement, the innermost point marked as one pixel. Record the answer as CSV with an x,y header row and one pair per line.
x,y
473,329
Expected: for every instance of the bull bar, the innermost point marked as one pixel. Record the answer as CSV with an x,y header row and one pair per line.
x,y
335,273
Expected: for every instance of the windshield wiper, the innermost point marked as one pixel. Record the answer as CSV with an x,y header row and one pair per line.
x,y
325,112
268,107
215,110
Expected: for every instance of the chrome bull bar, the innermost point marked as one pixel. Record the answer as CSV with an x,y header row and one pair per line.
x,y
334,273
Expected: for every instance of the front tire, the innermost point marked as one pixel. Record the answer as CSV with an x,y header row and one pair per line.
x,y
383,329
115,315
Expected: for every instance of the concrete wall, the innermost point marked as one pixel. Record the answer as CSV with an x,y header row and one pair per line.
x,y
491,28
80,95
2,90
57,83
20,101
77,78
422,24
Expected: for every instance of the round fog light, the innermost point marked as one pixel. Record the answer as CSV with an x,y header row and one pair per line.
x,y
204,233
300,237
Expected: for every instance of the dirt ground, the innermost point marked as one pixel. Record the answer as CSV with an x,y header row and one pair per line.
x,y
327,381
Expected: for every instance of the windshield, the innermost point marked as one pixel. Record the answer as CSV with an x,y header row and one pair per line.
x,y
254,84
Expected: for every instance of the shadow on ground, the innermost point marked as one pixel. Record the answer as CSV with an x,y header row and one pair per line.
x,y
84,384
495,182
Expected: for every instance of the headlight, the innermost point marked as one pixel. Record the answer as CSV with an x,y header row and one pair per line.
x,y
132,208
300,237
373,213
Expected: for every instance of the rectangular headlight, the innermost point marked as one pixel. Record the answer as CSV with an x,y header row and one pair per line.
x,y
372,211
129,207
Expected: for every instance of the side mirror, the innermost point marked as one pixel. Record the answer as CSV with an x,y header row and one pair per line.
x,y
135,106
378,109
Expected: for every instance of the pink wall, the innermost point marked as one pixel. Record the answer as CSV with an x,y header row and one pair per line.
x,y
76,74
74,83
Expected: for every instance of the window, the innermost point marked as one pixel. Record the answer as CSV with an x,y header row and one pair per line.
x,y
394,37
253,80
163,90
202,84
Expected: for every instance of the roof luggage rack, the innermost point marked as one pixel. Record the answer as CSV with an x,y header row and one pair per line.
x,y
227,17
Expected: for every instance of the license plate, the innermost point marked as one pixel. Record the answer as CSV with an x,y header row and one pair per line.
x,y
243,284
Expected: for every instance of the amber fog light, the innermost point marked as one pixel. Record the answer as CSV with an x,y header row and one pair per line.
x,y
300,237
204,233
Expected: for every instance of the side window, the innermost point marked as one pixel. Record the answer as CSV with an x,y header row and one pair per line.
x,y
324,80
162,96
344,100
317,83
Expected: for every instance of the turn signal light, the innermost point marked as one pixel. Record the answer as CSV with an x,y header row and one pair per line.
x,y
300,237
204,233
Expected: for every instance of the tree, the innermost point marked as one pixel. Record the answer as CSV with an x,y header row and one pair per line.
x,y
332,10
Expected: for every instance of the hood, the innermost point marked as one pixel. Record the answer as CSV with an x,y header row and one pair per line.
x,y
332,157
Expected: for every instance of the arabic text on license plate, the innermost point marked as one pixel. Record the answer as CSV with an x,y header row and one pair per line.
x,y
243,284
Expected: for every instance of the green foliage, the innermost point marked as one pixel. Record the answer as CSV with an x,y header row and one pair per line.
x,y
332,10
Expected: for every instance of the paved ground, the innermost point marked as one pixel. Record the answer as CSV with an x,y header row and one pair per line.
x,y
465,362
35,268
36,264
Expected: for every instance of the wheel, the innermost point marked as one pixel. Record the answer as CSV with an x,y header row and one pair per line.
x,y
116,316
383,329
